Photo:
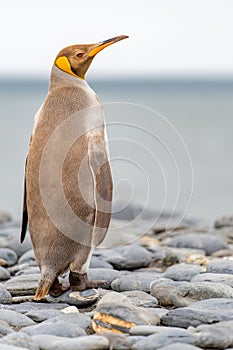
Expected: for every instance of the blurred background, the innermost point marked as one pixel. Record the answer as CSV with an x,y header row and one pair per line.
x,y
177,61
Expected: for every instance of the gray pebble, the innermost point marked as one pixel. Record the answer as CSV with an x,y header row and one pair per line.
x,y
186,317
179,255
214,277
136,281
42,315
4,328
56,326
182,272
11,347
5,296
27,257
20,339
104,274
90,342
15,319
213,303
164,336
210,243
217,336
188,293
179,346
220,266
36,306
127,258
22,285
4,274
98,262
29,270
139,298
8,255
224,221
163,290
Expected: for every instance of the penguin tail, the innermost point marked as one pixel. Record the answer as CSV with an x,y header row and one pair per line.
x,y
44,286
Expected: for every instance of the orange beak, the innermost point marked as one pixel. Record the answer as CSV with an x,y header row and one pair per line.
x,y
100,46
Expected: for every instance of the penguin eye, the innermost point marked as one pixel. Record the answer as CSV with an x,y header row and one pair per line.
x,y
80,54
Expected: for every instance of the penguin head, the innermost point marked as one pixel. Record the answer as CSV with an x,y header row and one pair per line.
x,y
76,59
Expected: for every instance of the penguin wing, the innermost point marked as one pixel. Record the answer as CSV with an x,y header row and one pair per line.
x,y
25,212
102,178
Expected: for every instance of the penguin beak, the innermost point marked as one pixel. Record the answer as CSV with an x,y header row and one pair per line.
x,y
100,46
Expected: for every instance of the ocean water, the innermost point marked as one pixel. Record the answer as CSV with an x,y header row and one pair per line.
x,y
171,142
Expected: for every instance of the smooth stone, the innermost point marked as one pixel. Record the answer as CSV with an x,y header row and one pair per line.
x,y
5,296
60,326
214,277
163,290
8,255
70,309
11,241
98,262
117,341
164,336
27,257
139,298
115,312
22,267
42,315
136,281
15,319
4,274
214,303
11,347
130,257
108,275
182,272
206,241
220,266
22,285
186,255
158,311
30,270
224,221
146,330
186,294
186,317
20,339
90,342
179,346
5,217
5,328
36,306
81,299
217,336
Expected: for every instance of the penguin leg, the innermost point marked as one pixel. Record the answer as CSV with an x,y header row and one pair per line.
x,y
56,288
78,272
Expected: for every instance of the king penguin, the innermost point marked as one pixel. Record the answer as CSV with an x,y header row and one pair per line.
x,y
68,181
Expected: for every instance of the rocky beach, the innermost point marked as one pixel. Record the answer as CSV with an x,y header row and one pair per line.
x,y
168,290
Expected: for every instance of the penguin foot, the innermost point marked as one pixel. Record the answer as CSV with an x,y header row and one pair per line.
x,y
56,289
80,282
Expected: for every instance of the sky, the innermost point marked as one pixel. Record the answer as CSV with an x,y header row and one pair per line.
x,y
166,37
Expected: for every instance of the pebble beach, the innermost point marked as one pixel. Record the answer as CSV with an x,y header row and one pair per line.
x,y
168,290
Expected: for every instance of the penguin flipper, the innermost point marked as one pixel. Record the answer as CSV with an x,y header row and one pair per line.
x,y
25,212
102,177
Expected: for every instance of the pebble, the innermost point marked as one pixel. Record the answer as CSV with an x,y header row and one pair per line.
x,y
130,257
186,255
34,306
22,285
15,319
139,298
164,336
136,281
4,274
97,262
210,243
182,272
186,294
224,221
11,347
115,312
5,328
108,275
19,339
27,257
81,299
179,346
220,266
163,290
42,315
91,342
5,296
214,277
9,256
216,336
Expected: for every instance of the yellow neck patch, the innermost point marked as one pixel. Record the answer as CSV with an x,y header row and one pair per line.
x,y
64,64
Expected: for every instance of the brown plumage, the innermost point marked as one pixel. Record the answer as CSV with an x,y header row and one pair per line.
x,y
68,183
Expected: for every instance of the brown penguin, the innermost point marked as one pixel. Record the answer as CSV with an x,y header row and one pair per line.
x,y
68,182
